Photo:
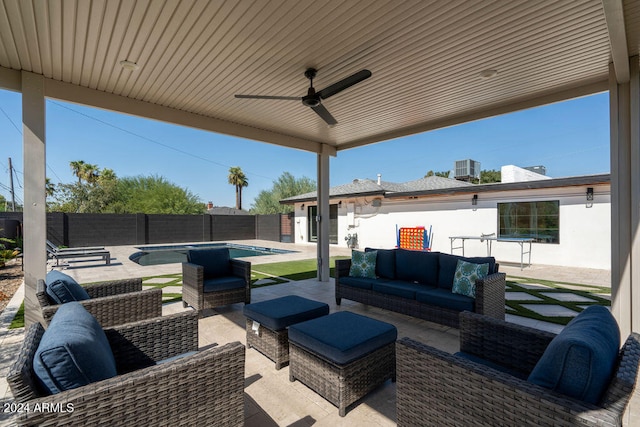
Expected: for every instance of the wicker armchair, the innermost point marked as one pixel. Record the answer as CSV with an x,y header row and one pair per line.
x,y
201,290
112,303
437,388
198,389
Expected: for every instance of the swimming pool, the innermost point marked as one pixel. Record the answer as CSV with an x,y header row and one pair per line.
x,y
169,254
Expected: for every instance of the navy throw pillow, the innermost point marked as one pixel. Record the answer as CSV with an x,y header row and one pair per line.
x,y
417,266
73,352
61,288
385,262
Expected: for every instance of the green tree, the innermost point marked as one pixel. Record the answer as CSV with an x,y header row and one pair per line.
x,y
154,195
239,180
488,176
443,174
268,201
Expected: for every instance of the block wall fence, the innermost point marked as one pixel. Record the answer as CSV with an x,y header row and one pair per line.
x,y
73,230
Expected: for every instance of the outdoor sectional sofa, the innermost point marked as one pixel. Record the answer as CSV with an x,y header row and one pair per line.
x,y
419,283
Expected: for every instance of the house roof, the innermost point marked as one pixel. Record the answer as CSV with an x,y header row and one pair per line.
x,y
431,62
510,186
433,185
369,187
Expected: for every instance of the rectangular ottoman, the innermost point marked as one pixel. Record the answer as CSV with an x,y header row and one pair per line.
x,y
343,356
267,323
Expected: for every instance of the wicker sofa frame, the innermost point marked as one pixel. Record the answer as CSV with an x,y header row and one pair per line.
x,y
197,389
489,301
437,388
112,302
193,293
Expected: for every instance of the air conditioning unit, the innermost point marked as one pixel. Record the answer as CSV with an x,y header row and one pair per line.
x,y
465,170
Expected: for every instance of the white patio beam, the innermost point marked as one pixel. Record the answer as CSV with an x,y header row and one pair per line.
x,y
34,215
614,16
10,79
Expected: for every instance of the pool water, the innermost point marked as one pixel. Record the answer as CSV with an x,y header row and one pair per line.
x,y
170,254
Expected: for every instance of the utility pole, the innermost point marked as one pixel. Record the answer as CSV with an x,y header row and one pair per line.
x,y
13,195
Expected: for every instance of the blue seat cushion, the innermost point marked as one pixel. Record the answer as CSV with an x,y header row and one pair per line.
x,y
223,284
580,361
61,288
215,262
398,288
417,266
342,337
385,262
446,299
357,282
73,351
448,264
277,314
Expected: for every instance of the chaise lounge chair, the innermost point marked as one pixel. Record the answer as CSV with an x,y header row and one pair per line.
x,y
55,248
56,253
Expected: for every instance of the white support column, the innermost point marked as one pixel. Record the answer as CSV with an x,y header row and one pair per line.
x,y
34,217
625,208
323,214
634,230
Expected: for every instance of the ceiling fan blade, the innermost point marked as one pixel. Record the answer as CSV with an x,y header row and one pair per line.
x,y
325,114
344,84
284,98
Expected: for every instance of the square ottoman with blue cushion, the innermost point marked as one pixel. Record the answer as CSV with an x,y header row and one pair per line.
x,y
342,356
267,324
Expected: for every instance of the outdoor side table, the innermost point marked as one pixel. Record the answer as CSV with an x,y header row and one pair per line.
x,y
343,356
267,323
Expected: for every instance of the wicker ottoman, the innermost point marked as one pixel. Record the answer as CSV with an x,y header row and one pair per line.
x,y
267,324
343,356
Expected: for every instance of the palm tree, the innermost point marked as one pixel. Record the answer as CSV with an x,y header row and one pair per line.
x,y
90,173
49,188
77,166
239,179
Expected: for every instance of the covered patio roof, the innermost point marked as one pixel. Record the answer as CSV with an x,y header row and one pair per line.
x,y
433,64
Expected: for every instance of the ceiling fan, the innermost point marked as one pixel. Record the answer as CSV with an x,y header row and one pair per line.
x,y
314,99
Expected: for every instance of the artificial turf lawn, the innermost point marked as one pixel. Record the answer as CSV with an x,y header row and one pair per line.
x,y
543,294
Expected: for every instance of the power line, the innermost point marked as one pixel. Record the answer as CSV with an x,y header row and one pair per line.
x,y
154,141
9,118
20,132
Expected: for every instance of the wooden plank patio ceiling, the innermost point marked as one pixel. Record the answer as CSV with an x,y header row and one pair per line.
x,y
426,58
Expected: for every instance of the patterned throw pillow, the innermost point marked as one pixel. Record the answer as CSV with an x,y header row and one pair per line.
x,y
363,264
464,280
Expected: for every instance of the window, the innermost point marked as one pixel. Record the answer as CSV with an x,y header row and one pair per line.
x,y
538,220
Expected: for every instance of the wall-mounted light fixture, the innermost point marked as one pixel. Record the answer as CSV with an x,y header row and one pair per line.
x,y
302,207
474,201
340,204
589,194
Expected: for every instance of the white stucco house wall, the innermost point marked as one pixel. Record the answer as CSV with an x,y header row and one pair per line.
x,y
372,209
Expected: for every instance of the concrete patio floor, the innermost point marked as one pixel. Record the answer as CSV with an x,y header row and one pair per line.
x,y
270,399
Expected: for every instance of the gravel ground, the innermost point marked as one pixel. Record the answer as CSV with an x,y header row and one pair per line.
x,y
11,277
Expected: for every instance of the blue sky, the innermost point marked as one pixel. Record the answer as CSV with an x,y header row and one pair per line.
x,y
569,138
